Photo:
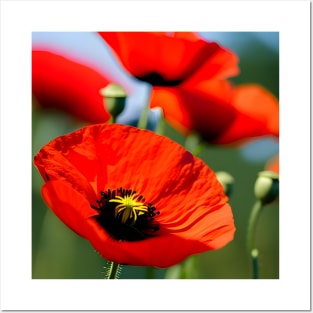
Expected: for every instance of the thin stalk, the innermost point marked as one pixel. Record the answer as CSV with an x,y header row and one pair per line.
x,y
191,266
143,120
112,120
160,127
253,253
113,270
255,263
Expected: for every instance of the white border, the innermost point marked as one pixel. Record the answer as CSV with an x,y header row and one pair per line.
x,y
291,291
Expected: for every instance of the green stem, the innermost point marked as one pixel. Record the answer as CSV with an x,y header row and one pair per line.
x,y
112,120
149,272
255,263
253,253
113,270
161,125
191,266
143,120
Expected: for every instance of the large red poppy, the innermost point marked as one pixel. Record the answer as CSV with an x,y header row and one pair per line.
x,y
218,111
164,59
60,83
139,198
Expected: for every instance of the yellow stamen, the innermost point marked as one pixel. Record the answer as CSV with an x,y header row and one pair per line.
x,y
129,207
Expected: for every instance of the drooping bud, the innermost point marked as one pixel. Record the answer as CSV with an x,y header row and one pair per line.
x,y
114,99
227,181
266,188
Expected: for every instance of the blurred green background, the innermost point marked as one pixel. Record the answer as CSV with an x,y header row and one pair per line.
x,y
59,253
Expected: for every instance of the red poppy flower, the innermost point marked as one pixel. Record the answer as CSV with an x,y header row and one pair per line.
x,y
188,77
218,111
60,83
139,198
163,59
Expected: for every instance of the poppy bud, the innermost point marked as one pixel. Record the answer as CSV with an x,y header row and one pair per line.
x,y
266,188
114,99
227,181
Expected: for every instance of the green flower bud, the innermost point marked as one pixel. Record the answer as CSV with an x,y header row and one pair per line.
x,y
266,188
227,181
114,99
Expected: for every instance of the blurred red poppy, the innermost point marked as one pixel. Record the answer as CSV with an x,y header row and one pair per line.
x,y
218,111
60,83
139,198
188,77
164,59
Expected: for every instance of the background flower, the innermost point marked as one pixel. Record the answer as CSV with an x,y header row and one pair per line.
x,y
188,78
60,83
219,112
171,59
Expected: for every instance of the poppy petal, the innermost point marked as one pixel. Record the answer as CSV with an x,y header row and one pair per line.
x,y
218,111
258,114
54,165
58,82
71,207
204,109
169,60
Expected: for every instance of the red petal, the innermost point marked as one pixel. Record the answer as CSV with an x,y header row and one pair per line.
x,y
174,110
175,58
257,114
204,109
222,114
58,82
55,161
70,206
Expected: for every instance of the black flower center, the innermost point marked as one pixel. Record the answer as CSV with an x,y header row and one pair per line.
x,y
156,79
125,215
